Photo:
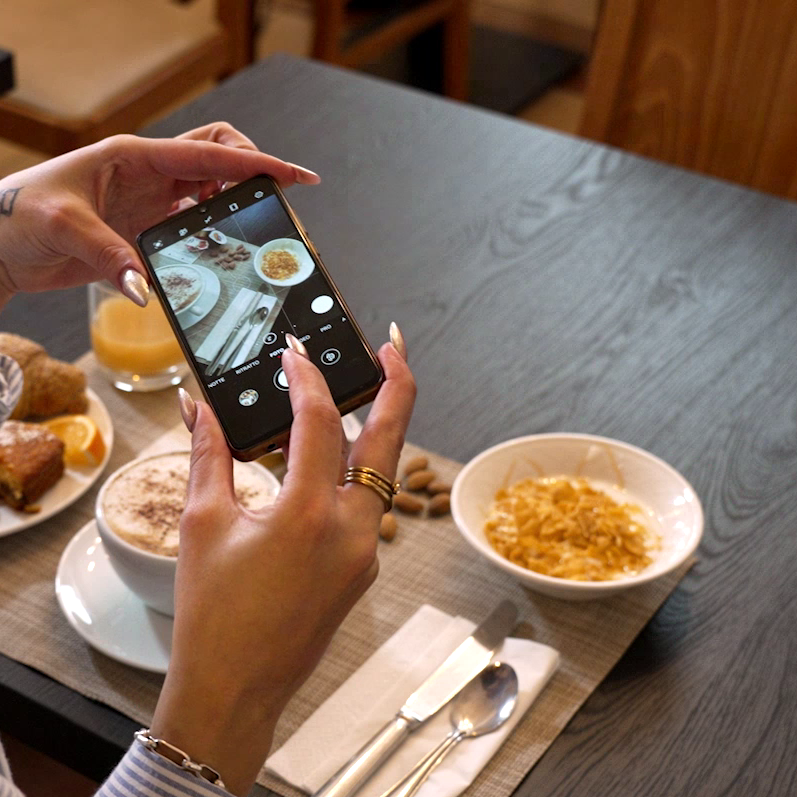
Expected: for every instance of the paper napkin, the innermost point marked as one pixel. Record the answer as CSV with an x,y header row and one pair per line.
x,y
375,693
238,307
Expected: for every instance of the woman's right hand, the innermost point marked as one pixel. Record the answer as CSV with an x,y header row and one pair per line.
x,y
260,594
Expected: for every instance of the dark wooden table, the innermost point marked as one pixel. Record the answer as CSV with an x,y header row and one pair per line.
x,y
545,283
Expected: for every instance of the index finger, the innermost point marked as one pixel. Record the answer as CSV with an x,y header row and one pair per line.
x,y
316,430
221,133
197,161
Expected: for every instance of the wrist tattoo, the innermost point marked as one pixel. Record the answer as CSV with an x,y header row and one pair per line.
x,y
8,197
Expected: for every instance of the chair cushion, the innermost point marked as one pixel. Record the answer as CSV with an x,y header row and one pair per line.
x,y
71,56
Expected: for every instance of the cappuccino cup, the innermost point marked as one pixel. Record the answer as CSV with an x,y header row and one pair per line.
x,y
183,285
138,517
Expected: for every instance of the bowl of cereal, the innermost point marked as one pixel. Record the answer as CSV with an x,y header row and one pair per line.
x,y
576,516
283,262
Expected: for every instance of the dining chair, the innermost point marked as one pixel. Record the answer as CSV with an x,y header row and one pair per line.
x,y
88,70
705,85
354,33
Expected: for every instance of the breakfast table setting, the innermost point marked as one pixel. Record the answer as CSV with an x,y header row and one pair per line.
x,y
568,308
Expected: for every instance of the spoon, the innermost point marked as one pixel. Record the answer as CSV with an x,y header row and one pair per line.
x,y
258,316
481,707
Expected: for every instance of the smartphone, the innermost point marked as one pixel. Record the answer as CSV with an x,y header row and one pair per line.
x,y
234,274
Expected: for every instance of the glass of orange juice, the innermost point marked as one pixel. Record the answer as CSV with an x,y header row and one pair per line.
x,y
135,346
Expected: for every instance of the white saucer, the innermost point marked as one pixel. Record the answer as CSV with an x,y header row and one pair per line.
x,y
205,303
104,611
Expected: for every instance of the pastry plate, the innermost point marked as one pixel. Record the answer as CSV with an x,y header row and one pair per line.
x,y
104,611
72,485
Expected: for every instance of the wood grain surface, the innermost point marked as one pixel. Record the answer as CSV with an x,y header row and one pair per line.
x,y
701,84
545,283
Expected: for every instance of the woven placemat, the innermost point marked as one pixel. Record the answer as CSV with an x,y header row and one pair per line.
x,y
427,562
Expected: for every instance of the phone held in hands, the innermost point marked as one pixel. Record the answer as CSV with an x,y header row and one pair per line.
x,y
234,275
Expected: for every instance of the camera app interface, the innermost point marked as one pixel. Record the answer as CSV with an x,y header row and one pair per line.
x,y
238,276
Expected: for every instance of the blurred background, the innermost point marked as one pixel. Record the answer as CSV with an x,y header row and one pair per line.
x,y
124,64
704,84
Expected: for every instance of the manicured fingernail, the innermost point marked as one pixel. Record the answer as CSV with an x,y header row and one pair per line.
x,y
187,408
296,345
135,287
397,339
303,174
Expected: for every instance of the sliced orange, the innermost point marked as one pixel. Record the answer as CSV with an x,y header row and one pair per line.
x,y
82,438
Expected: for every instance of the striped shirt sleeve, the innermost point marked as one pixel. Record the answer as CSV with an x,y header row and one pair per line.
x,y
142,773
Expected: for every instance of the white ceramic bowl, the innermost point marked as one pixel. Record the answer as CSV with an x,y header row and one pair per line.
x,y
671,506
151,575
297,249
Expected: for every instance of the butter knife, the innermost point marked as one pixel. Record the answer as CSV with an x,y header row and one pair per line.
x,y
233,333
467,661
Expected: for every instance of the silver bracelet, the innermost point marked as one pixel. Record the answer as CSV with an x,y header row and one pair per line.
x,y
177,756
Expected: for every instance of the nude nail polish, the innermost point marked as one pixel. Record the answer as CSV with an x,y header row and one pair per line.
x,y
306,173
296,345
134,286
397,339
187,408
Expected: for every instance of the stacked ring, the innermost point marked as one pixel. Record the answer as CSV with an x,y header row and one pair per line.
x,y
377,481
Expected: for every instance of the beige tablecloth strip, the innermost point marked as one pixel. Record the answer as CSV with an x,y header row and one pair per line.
x,y
427,562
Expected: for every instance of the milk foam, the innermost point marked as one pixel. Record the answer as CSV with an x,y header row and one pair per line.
x,y
143,504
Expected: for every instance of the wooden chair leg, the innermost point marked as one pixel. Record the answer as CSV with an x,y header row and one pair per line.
x,y
329,25
239,19
456,47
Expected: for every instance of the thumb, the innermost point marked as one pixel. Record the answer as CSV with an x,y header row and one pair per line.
x,y
210,479
90,240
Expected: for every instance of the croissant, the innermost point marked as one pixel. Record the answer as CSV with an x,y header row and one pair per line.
x,y
51,387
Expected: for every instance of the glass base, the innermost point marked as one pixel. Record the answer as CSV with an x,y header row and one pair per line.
x,y
145,383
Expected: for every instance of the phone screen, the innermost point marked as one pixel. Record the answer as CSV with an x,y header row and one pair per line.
x,y
237,274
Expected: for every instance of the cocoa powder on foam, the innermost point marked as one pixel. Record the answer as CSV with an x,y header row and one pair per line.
x,y
143,504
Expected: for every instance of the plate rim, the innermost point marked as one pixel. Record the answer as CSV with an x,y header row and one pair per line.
x,y
85,530
106,427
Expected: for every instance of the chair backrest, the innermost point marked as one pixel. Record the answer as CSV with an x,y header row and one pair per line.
x,y
707,85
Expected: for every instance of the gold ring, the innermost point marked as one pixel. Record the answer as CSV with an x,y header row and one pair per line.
x,y
376,481
392,487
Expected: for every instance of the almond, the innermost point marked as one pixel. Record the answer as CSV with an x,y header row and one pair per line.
x,y
416,463
438,486
440,504
418,479
388,526
407,503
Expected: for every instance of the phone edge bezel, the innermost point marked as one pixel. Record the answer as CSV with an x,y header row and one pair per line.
x,y
275,441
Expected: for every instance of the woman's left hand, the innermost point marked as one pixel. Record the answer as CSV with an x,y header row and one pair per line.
x,y
73,219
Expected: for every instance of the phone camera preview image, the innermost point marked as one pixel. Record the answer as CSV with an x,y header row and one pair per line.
x,y
229,282
237,276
